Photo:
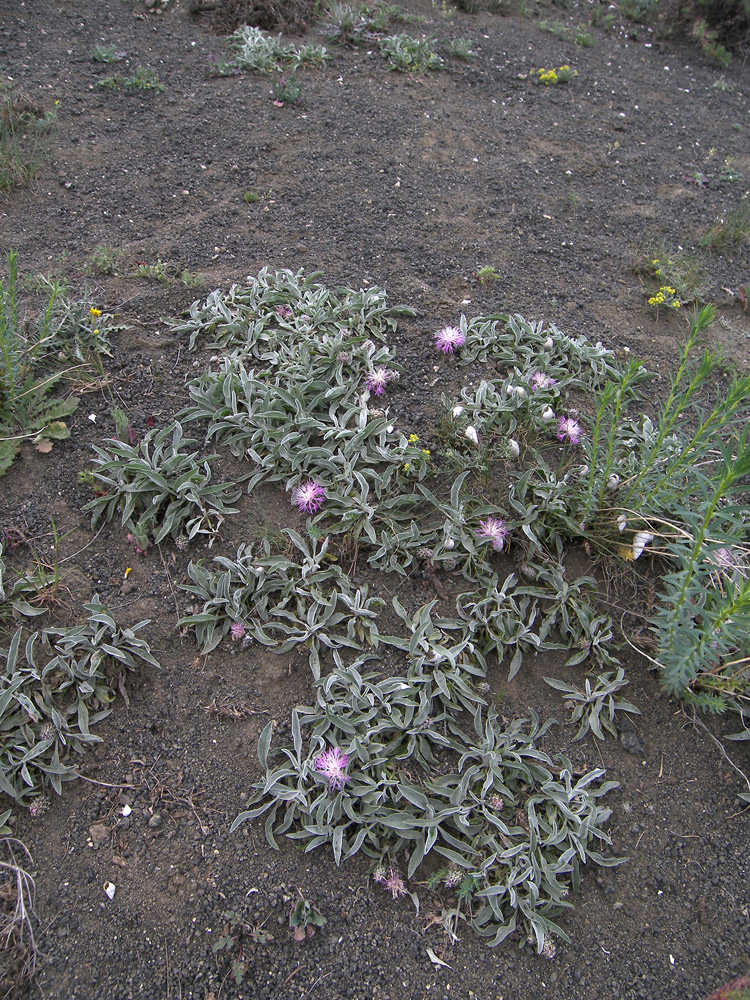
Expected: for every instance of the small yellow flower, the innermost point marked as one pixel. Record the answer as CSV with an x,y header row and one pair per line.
x,y
406,466
413,438
95,312
96,332
426,451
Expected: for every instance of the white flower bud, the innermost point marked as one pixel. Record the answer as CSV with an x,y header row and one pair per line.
x,y
622,523
514,448
518,391
471,434
390,428
548,414
450,544
613,482
640,541
457,411
549,344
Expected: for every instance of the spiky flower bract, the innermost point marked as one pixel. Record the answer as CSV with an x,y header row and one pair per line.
x,y
332,763
309,496
449,338
569,430
378,379
493,530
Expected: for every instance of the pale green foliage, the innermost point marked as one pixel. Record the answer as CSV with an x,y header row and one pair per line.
x,y
283,603
159,489
410,55
259,52
596,705
56,684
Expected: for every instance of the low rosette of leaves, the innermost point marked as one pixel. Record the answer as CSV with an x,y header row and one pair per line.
x,y
56,684
281,602
305,919
511,816
158,488
595,706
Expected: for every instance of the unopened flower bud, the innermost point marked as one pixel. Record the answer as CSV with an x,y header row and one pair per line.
x,y
514,448
450,544
471,434
613,482
518,391
622,523
457,411
548,414
390,428
549,344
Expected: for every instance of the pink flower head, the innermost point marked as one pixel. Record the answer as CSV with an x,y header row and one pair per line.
x,y
284,312
377,380
237,631
332,763
390,879
449,338
493,530
539,380
569,430
309,496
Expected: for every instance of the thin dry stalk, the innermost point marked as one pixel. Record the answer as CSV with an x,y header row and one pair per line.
x,y
17,917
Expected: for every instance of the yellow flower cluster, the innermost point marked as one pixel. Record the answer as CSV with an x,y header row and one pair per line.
x,y
551,76
666,296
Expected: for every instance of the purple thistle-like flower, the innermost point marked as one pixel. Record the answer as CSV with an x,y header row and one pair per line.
x,y
395,884
309,496
569,430
377,380
284,312
332,763
390,879
449,338
493,530
237,631
540,380
38,807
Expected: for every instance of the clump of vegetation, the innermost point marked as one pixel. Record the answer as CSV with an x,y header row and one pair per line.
x,y
551,77
355,24
18,921
460,48
237,943
55,685
410,55
144,78
560,29
731,230
679,276
106,54
305,919
158,488
595,706
287,90
32,347
258,52
23,131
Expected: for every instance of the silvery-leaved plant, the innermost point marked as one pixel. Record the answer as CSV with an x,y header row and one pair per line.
x,y
282,601
595,706
55,685
281,306
159,489
515,342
